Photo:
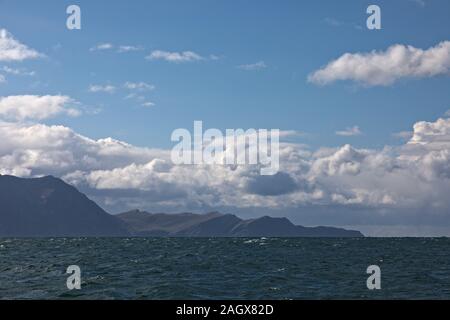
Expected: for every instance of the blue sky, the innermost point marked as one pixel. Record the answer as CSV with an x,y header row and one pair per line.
x,y
292,38
304,66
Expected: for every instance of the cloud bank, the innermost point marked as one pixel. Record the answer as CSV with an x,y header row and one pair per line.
x,y
32,107
411,180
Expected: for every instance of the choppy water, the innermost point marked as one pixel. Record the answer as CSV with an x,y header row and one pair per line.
x,y
181,268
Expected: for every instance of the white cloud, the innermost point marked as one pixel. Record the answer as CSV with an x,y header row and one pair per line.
x,y
148,104
2,78
139,86
176,57
123,49
386,67
431,133
31,107
342,161
348,132
41,149
135,96
12,50
102,47
253,67
18,72
102,88
120,49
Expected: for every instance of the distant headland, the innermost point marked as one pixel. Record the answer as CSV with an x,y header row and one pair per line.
x,y
49,207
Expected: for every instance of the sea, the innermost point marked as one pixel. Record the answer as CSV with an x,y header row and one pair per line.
x,y
225,268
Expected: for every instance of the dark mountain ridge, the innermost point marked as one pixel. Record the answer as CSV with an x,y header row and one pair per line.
x,y
49,207
215,224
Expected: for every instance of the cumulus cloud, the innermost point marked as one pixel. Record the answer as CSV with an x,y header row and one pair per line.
x,y
385,67
12,50
348,132
344,161
431,133
32,107
394,177
102,88
253,66
176,57
36,149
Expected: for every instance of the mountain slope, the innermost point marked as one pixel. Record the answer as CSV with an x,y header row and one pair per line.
x,y
144,224
221,225
48,206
